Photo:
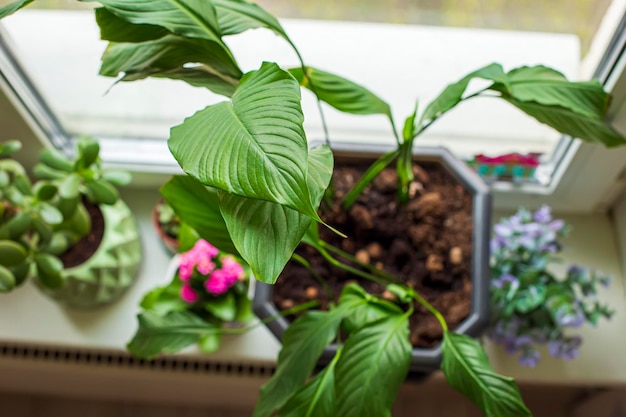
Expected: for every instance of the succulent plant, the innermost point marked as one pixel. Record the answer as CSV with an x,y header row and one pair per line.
x,y
40,220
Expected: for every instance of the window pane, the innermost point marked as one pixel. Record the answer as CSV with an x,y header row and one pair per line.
x,y
407,51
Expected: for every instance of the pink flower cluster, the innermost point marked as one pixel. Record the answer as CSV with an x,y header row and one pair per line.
x,y
201,258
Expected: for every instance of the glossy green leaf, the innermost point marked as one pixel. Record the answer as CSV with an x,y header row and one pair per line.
x,y
43,229
88,151
80,221
13,7
21,272
7,280
321,163
342,94
467,370
174,57
264,233
163,300
187,237
56,159
9,147
116,29
167,334
210,342
103,192
223,307
70,187
453,94
315,399
117,177
19,224
22,184
45,191
49,270
58,244
548,87
50,214
253,146
12,253
303,343
198,206
591,129
189,18
5,179
364,308
375,353
236,16
44,172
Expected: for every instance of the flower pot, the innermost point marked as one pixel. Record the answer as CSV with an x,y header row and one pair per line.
x,y
169,242
111,269
423,359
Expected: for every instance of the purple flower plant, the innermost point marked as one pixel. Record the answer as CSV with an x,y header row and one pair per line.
x,y
530,306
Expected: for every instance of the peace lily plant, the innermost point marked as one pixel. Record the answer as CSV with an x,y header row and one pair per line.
x,y
253,188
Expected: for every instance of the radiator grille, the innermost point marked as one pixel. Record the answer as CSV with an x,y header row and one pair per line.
x,y
118,359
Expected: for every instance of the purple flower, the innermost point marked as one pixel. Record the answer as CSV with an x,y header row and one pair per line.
x,y
549,247
529,358
503,230
543,215
505,330
513,345
556,225
566,349
505,279
572,318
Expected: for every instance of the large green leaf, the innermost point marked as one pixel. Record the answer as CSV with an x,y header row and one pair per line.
x,y
162,300
364,308
303,343
253,146
453,93
549,87
372,367
116,29
167,334
321,164
190,18
342,94
13,7
197,61
591,129
198,206
467,370
236,16
264,233
315,399
12,253
223,307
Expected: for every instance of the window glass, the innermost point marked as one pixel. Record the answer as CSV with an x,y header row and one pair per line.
x,y
402,50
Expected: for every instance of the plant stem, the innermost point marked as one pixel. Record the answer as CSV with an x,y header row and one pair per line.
x,y
318,277
334,262
293,310
432,309
382,274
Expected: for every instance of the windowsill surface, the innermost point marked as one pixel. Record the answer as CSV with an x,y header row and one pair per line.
x,y
29,317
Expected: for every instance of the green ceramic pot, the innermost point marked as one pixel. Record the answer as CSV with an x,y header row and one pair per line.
x,y
112,268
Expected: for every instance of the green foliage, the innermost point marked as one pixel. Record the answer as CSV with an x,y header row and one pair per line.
x,y
467,370
12,8
41,220
172,319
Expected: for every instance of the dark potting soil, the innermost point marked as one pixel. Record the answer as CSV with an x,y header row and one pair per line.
x,y
427,243
87,245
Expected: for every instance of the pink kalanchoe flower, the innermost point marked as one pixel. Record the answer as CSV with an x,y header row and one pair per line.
x,y
218,283
233,267
205,248
205,266
188,294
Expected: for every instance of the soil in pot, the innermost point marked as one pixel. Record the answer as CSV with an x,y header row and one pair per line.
x,y
88,244
427,243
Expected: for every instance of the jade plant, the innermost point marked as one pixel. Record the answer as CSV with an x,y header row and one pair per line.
x,y
531,306
40,220
253,188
